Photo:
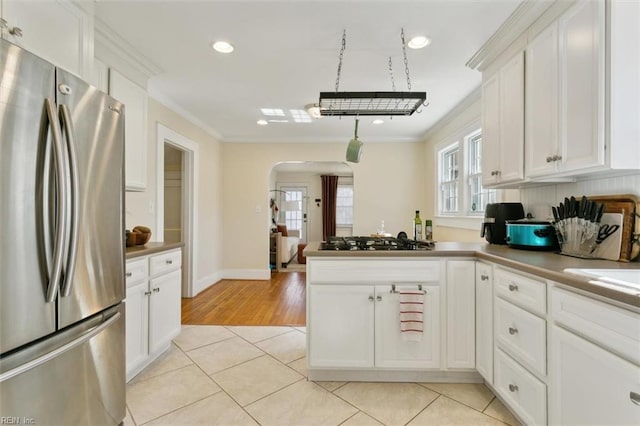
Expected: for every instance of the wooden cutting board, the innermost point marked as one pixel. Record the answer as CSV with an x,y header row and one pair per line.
x,y
629,206
610,248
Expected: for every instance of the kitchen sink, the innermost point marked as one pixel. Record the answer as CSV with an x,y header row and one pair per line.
x,y
627,280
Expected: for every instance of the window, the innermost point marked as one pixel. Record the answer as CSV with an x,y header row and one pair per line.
x,y
293,209
460,190
344,205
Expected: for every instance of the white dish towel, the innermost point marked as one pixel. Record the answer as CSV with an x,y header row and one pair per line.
x,y
411,315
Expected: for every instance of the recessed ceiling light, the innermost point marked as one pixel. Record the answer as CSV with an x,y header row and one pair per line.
x,y
378,121
418,42
313,110
222,47
262,122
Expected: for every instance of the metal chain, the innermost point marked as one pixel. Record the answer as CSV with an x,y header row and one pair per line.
x,y
393,82
406,62
344,45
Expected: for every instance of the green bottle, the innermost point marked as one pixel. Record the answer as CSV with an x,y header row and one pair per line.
x,y
417,226
428,230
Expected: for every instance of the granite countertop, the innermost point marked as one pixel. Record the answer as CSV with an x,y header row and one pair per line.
x,y
544,264
150,248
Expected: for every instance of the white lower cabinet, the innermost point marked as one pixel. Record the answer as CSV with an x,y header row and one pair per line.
x,y
484,321
589,385
391,350
520,390
341,317
461,318
152,307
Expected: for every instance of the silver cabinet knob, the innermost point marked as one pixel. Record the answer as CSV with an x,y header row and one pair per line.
x,y
484,277
16,31
129,274
557,157
512,330
634,397
156,290
513,388
147,293
371,299
513,287
549,159
379,298
168,262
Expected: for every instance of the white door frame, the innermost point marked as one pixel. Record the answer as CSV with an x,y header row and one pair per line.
x,y
189,200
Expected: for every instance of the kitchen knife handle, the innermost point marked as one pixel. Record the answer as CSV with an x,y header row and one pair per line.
x,y
555,213
600,213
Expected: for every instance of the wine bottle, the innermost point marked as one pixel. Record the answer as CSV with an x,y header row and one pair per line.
x,y
428,230
417,226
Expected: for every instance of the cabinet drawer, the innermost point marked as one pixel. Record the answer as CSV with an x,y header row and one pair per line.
x,y
373,271
611,327
136,271
525,394
521,334
165,262
521,290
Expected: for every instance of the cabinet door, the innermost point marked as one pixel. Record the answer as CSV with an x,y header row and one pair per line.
x,y
511,137
340,321
137,326
164,310
581,35
484,321
490,130
59,31
390,348
589,385
541,124
461,300
134,98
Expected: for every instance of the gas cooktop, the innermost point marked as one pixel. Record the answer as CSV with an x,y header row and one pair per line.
x,y
374,243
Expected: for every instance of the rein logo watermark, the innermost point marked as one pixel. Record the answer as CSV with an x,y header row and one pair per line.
x,y
15,420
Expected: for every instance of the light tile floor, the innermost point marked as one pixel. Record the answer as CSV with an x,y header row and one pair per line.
x,y
215,375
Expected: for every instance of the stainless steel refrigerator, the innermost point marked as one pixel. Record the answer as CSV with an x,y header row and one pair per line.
x,y
62,354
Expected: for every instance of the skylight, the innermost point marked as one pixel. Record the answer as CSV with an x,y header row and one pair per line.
x,y
300,116
272,112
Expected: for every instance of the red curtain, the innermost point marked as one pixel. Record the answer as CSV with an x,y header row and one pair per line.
x,y
329,201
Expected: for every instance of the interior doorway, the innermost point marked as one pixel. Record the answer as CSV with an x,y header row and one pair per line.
x,y
179,188
173,194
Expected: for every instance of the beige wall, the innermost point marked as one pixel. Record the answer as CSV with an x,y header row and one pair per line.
x,y
141,206
389,185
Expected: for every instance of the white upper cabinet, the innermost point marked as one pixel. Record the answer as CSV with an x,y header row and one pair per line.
x,y
565,89
503,124
60,31
134,98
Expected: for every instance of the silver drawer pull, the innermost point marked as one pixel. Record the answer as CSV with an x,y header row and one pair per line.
x,y
512,330
513,287
129,274
634,397
513,388
484,277
168,262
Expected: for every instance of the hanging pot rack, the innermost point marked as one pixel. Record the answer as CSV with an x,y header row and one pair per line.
x,y
383,103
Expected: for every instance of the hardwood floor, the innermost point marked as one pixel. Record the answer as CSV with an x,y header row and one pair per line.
x,y
278,301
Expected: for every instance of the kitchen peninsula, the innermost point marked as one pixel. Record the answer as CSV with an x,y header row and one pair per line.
x,y
514,319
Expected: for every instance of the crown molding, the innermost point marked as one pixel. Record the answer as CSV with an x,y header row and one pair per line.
x,y
516,24
106,38
173,106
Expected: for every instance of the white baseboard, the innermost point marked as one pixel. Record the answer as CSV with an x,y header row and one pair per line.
x,y
206,282
247,274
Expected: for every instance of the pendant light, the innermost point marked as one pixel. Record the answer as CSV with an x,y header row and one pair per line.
x,y
354,148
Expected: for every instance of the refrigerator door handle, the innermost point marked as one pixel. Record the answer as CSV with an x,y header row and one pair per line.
x,y
62,171
59,351
72,217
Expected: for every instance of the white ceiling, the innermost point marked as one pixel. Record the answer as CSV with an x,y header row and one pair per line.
x,y
286,52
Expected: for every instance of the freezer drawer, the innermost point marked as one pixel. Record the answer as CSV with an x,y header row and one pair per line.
x,y
83,368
